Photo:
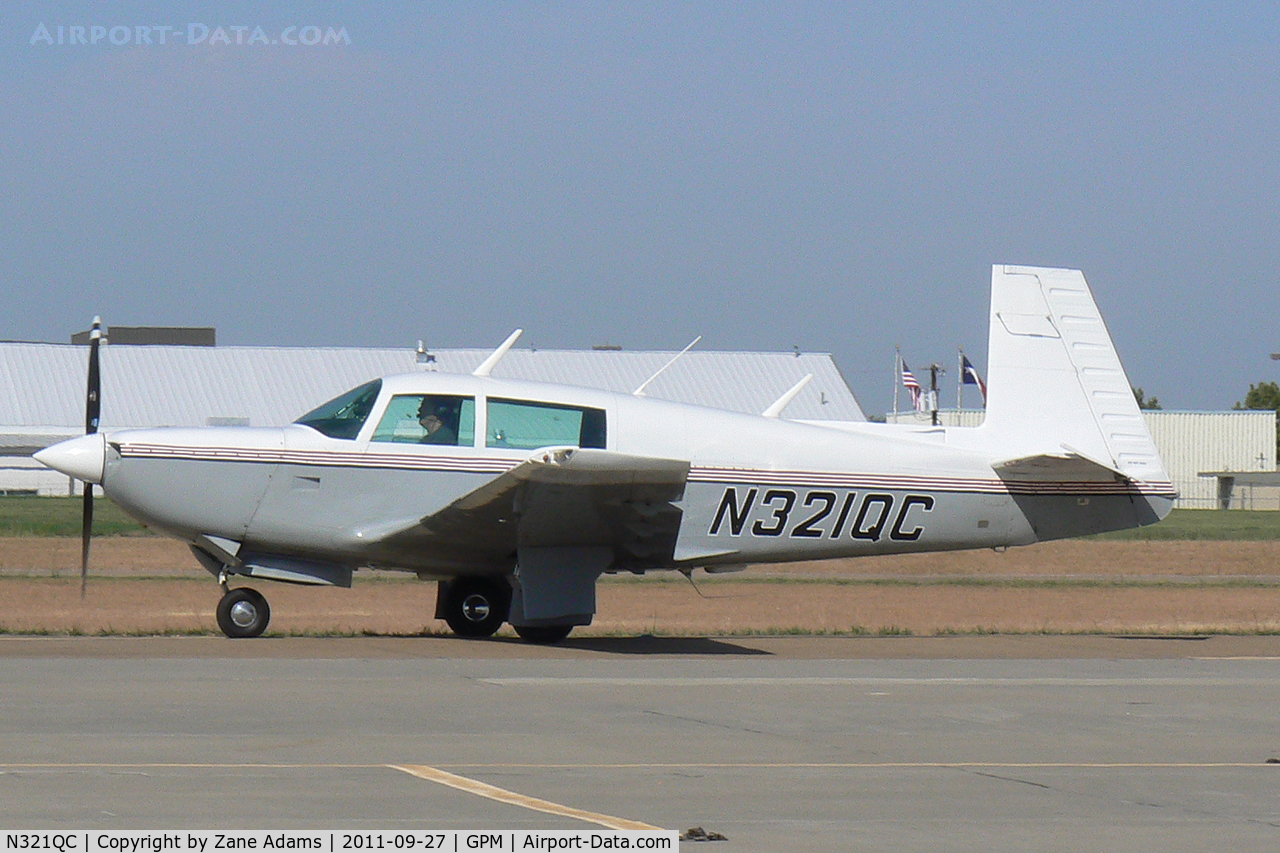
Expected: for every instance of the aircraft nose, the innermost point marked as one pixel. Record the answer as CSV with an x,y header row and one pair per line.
x,y
83,458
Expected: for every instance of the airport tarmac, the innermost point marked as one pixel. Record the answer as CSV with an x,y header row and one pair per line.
x,y
805,743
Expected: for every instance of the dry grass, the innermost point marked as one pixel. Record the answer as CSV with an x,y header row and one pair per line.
x,y
155,586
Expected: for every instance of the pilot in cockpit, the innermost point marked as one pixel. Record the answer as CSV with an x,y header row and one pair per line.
x,y
434,416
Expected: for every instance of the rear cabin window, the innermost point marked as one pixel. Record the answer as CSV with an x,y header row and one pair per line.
x,y
343,416
527,425
439,419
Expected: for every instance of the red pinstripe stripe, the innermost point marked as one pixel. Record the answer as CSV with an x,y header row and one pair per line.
x,y
746,476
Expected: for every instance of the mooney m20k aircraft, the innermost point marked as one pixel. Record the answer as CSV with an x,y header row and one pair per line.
x,y
517,496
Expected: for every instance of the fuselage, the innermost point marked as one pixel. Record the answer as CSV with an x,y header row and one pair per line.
x,y
758,490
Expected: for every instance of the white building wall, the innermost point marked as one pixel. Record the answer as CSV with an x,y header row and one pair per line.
x,y
22,475
1192,442
946,417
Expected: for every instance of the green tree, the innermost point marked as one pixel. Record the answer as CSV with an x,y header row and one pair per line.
x,y
1264,396
1145,402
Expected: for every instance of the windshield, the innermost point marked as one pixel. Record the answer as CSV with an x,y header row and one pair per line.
x,y
343,416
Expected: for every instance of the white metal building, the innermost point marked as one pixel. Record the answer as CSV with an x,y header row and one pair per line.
x,y
44,386
1194,442
43,398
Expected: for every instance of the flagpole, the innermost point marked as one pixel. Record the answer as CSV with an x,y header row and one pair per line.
x,y
897,377
959,383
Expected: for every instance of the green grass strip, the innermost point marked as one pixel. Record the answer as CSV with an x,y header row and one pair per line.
x,y
1205,524
21,515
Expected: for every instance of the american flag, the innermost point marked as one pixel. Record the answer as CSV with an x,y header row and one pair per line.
x,y
971,377
913,387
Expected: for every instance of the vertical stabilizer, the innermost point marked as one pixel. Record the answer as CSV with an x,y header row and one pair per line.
x,y
1055,383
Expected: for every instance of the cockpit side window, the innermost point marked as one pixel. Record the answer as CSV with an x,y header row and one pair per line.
x,y
528,425
343,416
443,419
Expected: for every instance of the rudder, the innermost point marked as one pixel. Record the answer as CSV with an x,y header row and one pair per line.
x,y
1055,382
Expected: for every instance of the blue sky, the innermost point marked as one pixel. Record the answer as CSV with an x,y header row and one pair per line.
x,y
764,175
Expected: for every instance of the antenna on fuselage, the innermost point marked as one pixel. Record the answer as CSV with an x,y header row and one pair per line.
x,y
486,367
639,392
688,575
781,403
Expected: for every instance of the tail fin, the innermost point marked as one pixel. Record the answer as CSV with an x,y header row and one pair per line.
x,y
1056,388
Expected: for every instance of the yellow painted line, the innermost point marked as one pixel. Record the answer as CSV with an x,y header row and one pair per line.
x,y
740,765
176,765
1240,657
875,765
502,795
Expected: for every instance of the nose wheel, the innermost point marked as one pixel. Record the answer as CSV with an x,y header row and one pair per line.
x,y
243,612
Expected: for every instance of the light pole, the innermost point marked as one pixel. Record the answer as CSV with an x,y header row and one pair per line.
x,y
934,370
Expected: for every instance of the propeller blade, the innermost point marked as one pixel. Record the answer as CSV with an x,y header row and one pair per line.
x,y
93,399
92,414
86,530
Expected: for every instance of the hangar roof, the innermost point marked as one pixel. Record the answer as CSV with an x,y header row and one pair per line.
x,y
269,386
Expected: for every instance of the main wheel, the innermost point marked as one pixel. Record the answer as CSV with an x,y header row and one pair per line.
x,y
476,607
543,634
243,612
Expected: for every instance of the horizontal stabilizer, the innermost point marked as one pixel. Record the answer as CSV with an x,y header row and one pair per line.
x,y
1068,467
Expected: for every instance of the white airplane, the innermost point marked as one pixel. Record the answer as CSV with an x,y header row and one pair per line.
x,y
517,496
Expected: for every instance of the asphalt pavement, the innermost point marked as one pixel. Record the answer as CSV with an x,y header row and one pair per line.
x,y
893,744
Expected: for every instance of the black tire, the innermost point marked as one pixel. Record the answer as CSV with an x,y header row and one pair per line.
x,y
477,607
543,634
243,613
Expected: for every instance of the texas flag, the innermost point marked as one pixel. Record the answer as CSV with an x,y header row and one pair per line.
x,y
971,377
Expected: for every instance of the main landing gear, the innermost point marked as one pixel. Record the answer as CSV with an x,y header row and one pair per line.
x,y
473,607
543,634
476,606
243,612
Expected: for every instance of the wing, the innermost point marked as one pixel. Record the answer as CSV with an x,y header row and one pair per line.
x,y
560,497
